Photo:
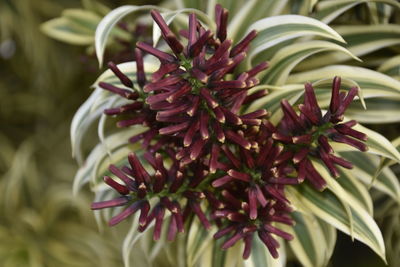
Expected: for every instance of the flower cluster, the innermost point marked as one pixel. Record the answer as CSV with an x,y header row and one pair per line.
x,y
307,134
203,156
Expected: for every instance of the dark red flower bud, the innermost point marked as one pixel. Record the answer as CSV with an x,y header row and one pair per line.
x,y
162,56
124,214
243,45
121,201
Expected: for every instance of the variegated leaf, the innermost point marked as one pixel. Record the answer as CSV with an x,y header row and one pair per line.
x,y
106,25
366,167
327,11
288,57
391,67
361,40
260,255
313,241
327,206
277,29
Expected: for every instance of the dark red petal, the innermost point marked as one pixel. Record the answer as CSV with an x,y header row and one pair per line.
x,y
238,139
328,163
220,233
170,80
168,35
243,45
344,129
346,102
159,217
222,181
123,190
202,217
252,196
122,92
174,128
214,158
128,181
121,201
258,68
221,19
323,142
349,141
140,74
122,77
278,232
196,48
144,211
239,175
205,93
268,240
248,239
232,240
162,56
335,99
125,214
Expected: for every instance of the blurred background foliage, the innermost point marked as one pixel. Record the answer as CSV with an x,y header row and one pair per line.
x,y
43,82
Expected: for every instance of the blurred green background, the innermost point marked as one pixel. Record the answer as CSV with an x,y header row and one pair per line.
x,y
42,84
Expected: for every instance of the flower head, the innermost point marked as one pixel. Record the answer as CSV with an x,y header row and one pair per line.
x,y
205,158
191,92
307,134
170,185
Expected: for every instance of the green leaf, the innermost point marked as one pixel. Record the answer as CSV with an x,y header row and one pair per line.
x,y
84,118
95,6
358,190
288,57
198,240
61,29
379,13
84,19
365,168
371,82
130,240
106,25
327,206
314,240
361,40
391,67
277,29
327,11
260,255
380,110
378,144
250,11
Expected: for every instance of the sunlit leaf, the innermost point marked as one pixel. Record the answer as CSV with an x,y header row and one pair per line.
x,y
277,29
313,241
288,57
328,208
361,40
106,25
327,11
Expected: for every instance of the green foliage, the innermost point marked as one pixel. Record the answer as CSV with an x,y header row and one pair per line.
x,y
361,36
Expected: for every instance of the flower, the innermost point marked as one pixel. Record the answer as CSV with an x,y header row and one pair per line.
x,y
191,97
226,168
191,92
169,185
251,192
307,134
